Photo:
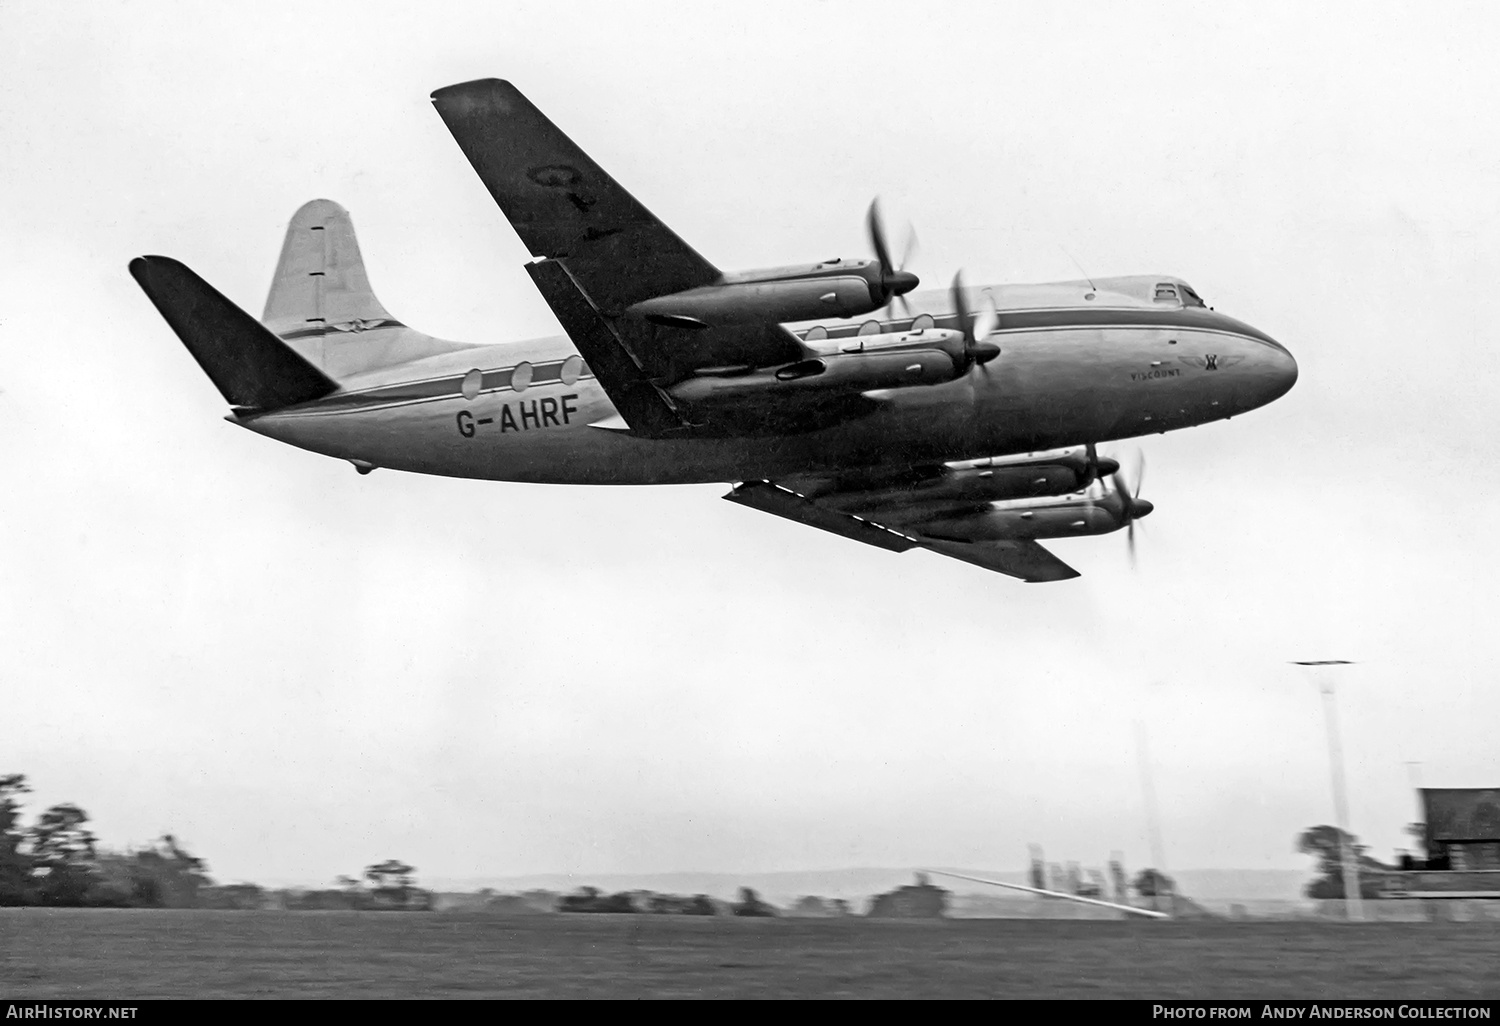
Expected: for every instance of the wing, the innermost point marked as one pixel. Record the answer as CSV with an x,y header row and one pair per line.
x,y
562,204
567,209
1026,560
896,526
633,369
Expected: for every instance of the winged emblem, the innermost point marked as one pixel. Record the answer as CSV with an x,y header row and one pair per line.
x,y
1209,361
356,325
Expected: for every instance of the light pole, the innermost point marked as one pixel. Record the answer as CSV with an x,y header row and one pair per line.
x,y
1353,907
1153,824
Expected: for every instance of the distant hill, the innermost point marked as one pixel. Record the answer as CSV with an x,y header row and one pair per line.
x,y
782,888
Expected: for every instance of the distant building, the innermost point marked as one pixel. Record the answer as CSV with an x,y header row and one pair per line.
x,y
921,900
1461,835
1462,827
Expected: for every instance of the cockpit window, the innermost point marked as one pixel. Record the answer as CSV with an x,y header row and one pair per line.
x,y
1190,297
1166,292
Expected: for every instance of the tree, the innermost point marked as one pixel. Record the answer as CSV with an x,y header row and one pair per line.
x,y
1418,832
751,905
391,880
166,876
62,856
810,906
1323,842
1149,883
590,899
15,866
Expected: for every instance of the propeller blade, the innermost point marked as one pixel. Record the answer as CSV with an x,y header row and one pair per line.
x,y
974,329
1132,507
960,306
893,280
877,239
987,320
909,253
1117,480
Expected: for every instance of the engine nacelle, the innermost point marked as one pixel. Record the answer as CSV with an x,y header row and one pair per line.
x,y
1071,518
891,360
976,485
838,288
978,481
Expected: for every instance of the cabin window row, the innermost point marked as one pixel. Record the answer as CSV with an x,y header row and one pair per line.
x,y
523,375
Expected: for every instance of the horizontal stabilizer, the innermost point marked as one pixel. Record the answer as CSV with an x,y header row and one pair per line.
x,y
251,367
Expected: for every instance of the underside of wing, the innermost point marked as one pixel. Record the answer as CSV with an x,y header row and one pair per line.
x,y
896,519
562,204
784,502
1027,560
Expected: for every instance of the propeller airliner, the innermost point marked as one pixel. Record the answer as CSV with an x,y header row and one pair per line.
x,y
963,421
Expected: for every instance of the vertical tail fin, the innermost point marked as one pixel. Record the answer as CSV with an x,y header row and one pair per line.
x,y
320,282
322,306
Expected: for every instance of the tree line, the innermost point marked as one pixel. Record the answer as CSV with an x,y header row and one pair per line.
x,y
591,899
57,861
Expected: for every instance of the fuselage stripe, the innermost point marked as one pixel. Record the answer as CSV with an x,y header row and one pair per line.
x,y
449,386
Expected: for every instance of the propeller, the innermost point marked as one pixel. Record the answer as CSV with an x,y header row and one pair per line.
x,y
1094,467
895,280
976,329
1132,507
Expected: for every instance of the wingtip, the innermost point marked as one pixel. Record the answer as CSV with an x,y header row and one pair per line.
x,y
468,88
141,265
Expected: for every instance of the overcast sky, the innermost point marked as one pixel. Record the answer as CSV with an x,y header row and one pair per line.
x,y
301,671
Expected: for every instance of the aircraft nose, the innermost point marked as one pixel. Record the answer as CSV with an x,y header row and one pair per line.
x,y
1284,370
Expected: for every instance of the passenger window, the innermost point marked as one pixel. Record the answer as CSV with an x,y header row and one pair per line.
x,y
520,377
472,383
816,334
922,323
869,328
571,368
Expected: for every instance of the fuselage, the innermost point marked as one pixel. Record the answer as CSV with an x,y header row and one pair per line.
x,y
1080,362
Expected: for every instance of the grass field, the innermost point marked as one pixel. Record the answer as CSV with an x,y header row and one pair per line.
x,y
167,954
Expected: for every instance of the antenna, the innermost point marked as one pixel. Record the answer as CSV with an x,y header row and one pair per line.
x,y
1079,266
